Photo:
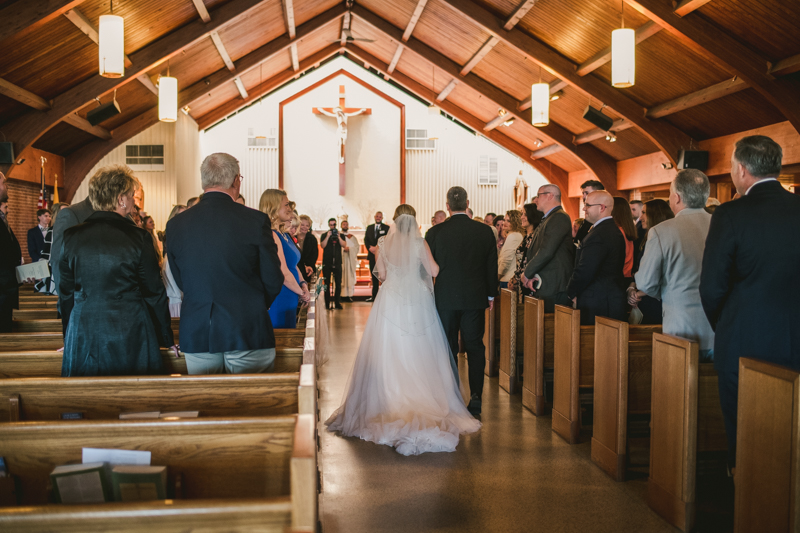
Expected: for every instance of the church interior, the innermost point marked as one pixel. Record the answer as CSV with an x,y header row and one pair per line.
x,y
497,96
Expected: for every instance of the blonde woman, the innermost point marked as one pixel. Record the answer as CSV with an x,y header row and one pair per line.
x,y
283,312
309,248
507,259
402,391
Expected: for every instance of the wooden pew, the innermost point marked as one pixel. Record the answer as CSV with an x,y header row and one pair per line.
x,y
512,340
35,314
573,367
235,475
490,336
537,354
686,419
104,398
38,304
622,381
767,448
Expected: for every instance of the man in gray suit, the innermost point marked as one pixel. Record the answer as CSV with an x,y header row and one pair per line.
x,y
67,217
673,260
551,256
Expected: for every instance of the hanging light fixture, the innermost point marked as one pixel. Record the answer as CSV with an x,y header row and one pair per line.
x,y
167,98
112,45
623,55
540,103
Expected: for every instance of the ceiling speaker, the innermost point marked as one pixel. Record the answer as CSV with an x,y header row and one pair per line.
x,y
6,153
697,159
103,112
596,117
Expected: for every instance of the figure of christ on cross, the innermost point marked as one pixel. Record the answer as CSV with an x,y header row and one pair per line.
x,y
341,112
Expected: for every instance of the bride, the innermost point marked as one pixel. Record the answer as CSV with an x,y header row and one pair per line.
x,y
403,391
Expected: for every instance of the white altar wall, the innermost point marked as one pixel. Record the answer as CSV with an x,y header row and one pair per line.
x,y
311,169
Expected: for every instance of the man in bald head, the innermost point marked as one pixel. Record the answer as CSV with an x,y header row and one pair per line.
x,y
597,284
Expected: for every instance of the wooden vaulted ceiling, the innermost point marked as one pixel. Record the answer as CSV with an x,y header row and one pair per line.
x,y
705,68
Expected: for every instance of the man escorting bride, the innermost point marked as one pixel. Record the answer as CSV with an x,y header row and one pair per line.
x,y
403,390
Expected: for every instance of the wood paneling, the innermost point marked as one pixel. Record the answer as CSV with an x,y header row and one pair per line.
x,y
218,97
398,12
191,65
513,74
629,144
63,139
264,24
31,168
454,36
305,10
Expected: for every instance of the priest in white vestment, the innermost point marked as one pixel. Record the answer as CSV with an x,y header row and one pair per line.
x,y
349,262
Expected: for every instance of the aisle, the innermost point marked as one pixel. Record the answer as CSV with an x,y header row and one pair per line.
x,y
514,475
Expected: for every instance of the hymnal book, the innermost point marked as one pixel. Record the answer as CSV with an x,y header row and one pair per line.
x,y
180,414
37,270
115,457
83,483
139,483
72,416
134,415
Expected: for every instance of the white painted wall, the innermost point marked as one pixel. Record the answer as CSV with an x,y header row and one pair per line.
x,y
311,173
179,180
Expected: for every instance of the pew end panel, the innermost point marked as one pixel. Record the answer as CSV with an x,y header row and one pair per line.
x,y
566,373
489,334
537,354
512,339
307,391
304,475
767,448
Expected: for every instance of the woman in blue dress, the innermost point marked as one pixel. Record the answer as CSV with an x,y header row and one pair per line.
x,y
283,312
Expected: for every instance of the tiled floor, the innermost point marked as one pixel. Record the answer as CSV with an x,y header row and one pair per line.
x,y
514,475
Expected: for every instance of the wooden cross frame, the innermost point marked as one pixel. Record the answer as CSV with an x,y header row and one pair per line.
x,y
341,113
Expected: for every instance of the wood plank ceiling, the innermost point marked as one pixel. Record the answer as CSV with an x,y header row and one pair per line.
x,y
475,57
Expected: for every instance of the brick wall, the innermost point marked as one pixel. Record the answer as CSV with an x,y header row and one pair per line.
x,y
23,201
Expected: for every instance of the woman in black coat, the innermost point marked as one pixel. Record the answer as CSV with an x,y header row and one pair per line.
x,y
113,303
309,249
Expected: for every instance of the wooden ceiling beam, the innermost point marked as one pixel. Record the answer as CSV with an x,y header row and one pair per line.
x,y
786,66
345,26
81,123
28,15
496,122
687,6
26,129
645,31
603,165
414,19
597,133
245,64
546,151
288,18
293,54
555,86
480,54
718,90
447,90
202,10
222,51
82,23
240,87
23,96
519,13
553,173
395,58
701,36
665,136
235,104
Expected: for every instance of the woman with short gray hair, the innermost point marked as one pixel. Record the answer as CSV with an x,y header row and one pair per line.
x,y
113,303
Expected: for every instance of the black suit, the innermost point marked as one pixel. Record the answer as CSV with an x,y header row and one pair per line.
x,y
67,217
750,287
466,252
371,237
583,231
10,259
35,243
308,255
332,268
225,260
597,280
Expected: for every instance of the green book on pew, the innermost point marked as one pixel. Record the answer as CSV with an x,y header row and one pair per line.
x,y
139,483
81,483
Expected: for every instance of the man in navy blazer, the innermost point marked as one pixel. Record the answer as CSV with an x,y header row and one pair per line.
x,y
597,281
36,235
749,286
225,261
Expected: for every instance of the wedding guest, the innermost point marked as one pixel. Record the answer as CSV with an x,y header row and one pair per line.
x,y
10,259
46,286
654,213
67,218
506,260
149,225
283,311
587,188
173,291
478,219
498,223
438,217
36,235
489,218
309,248
332,244
576,226
110,288
624,220
371,237
349,262
470,214
291,227
162,235
637,207
531,218
191,202
711,205
241,200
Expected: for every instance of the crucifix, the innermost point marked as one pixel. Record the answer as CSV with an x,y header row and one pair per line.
x,y
340,113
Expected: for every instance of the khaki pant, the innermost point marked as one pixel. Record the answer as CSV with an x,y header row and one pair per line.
x,y
234,362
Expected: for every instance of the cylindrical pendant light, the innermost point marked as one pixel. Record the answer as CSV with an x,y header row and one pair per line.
x,y
167,99
112,46
540,104
623,57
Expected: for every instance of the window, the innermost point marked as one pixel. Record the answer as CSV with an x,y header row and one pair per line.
x,y
145,157
488,171
262,142
418,140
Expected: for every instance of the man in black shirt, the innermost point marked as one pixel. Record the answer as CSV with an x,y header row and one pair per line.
x,y
332,243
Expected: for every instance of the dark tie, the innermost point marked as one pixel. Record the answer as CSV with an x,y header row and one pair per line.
x,y
377,227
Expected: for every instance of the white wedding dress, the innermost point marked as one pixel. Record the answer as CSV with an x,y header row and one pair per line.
x,y
402,391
